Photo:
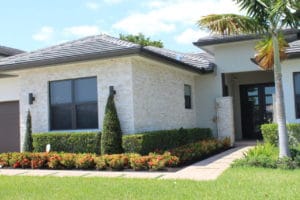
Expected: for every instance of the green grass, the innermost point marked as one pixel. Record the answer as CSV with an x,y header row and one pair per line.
x,y
235,183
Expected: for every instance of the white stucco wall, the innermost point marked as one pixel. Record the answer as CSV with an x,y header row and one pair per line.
x,y
288,68
208,88
115,72
235,57
158,96
9,89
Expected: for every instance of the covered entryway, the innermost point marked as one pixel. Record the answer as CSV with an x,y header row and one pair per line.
x,y
9,126
252,101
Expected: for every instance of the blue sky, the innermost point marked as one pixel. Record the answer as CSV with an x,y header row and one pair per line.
x,y
32,24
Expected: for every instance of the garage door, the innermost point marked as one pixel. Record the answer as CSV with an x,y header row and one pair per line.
x,y
9,127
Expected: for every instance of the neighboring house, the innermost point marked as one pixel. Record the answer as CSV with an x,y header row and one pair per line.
x,y
9,107
155,88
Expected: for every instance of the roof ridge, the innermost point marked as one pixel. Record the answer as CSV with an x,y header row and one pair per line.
x,y
10,50
179,52
114,40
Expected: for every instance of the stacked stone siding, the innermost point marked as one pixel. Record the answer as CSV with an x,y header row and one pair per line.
x,y
158,96
115,72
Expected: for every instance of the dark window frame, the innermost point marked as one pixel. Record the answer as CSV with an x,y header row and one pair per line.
x,y
73,105
297,115
187,98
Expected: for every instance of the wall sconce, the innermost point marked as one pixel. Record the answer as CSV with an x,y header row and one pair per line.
x,y
31,98
111,90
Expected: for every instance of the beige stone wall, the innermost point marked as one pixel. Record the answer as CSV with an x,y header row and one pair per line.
x,y
158,96
115,72
225,118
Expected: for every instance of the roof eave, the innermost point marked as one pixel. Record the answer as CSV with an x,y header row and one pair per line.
x,y
290,36
293,55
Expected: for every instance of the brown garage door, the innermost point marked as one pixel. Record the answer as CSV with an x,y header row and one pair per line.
x,y
9,127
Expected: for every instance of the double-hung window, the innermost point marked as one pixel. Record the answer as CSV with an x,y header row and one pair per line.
x,y
73,104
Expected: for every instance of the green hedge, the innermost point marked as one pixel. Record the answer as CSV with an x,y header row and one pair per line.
x,y
142,143
270,133
76,142
163,140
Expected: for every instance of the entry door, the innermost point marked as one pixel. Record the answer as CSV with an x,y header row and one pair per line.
x,y
256,108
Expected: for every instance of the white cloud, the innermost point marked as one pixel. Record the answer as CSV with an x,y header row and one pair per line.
x,y
81,31
113,1
189,35
164,16
92,5
44,34
155,4
139,23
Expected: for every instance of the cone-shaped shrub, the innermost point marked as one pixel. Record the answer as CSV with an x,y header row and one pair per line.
x,y
28,147
111,137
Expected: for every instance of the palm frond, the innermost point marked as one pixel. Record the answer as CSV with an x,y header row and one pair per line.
x,y
257,9
230,24
264,57
284,13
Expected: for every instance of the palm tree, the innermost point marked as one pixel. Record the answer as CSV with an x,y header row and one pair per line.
x,y
269,18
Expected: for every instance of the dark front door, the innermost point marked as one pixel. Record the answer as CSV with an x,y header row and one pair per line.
x,y
256,108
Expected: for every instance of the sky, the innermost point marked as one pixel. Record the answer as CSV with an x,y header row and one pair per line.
x,y
35,24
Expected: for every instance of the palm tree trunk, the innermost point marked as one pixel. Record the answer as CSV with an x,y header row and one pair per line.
x,y
280,109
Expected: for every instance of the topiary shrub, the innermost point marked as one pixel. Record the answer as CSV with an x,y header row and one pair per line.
x,y
111,138
28,147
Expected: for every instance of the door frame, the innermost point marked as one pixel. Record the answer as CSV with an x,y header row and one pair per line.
x,y
261,99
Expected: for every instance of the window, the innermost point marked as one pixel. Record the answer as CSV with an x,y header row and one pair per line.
x,y
297,93
73,104
187,96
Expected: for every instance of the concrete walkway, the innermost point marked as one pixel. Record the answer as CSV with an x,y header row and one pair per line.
x,y
208,169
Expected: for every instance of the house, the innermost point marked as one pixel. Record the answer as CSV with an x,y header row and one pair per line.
x,y
66,86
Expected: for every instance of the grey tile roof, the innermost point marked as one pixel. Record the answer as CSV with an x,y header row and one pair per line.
x,y
294,49
8,51
93,47
290,34
198,60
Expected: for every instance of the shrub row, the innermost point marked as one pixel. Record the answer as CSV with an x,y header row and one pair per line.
x,y
142,143
163,140
199,150
266,156
153,161
270,133
87,161
86,142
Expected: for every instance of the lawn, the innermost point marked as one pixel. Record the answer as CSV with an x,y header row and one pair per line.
x,y
235,183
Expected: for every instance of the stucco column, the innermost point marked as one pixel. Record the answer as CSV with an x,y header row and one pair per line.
x,y
225,118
